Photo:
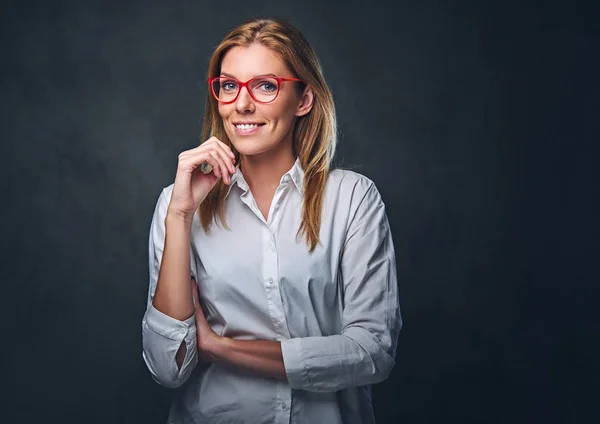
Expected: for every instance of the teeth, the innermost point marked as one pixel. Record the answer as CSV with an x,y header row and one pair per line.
x,y
246,126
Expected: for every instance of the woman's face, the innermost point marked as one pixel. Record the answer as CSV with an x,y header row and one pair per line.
x,y
276,119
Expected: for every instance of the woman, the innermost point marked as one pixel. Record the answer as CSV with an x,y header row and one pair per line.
x,y
272,291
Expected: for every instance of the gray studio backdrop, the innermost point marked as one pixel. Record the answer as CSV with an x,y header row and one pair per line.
x,y
440,103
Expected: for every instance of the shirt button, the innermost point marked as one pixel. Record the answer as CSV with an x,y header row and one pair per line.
x,y
270,281
182,330
283,405
276,206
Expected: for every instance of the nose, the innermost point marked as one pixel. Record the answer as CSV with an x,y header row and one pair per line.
x,y
244,102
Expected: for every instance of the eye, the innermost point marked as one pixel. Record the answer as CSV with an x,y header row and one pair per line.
x,y
228,85
267,86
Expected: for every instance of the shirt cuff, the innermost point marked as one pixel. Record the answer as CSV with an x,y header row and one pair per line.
x,y
167,326
294,363
162,336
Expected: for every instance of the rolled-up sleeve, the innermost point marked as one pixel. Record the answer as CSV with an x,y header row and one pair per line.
x,y
365,350
162,335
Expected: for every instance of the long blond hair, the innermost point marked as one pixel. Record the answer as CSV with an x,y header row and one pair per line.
x,y
315,134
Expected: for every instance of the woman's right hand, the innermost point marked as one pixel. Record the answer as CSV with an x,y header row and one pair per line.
x,y
192,185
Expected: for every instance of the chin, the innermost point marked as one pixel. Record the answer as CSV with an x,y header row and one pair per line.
x,y
246,145
247,148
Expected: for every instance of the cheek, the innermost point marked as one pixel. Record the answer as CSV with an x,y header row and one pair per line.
x,y
284,113
222,110
225,113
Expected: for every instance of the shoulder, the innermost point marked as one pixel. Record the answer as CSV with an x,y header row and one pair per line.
x,y
349,194
351,184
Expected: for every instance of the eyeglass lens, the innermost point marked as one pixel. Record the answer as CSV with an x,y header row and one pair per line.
x,y
263,89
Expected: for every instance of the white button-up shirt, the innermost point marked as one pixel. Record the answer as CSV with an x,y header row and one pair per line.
x,y
335,311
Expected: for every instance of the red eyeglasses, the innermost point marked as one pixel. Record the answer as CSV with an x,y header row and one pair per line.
x,y
262,89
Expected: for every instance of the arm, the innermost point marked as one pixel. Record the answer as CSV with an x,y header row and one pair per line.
x,y
172,296
364,352
168,326
260,356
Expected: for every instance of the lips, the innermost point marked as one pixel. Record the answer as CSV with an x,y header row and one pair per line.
x,y
246,128
247,125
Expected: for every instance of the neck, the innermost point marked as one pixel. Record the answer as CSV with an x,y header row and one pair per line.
x,y
264,170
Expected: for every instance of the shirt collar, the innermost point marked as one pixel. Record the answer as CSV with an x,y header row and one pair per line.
x,y
295,174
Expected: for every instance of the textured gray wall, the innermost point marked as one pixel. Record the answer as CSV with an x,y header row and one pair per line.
x,y
457,112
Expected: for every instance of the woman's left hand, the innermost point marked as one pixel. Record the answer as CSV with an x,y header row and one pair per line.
x,y
207,339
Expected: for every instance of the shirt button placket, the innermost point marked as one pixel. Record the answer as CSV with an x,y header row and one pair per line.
x,y
270,273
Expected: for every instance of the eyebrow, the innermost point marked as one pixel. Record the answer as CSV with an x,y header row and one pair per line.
x,y
225,74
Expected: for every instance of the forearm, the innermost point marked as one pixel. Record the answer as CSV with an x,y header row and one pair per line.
x,y
331,363
260,356
173,296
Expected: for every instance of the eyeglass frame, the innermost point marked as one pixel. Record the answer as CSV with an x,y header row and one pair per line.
x,y
245,84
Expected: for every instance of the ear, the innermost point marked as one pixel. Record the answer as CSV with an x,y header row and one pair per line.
x,y
306,102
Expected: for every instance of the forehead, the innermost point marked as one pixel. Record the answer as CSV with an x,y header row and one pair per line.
x,y
256,59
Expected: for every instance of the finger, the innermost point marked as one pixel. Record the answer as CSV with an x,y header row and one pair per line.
x,y
222,166
218,150
196,297
193,161
214,163
226,148
223,149
228,157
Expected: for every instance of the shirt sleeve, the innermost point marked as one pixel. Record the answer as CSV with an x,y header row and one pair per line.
x,y
364,352
161,334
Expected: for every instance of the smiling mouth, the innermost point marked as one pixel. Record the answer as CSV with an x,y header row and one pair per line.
x,y
247,126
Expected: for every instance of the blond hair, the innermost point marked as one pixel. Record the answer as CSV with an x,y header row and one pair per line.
x,y
314,136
